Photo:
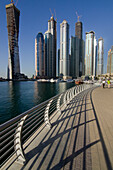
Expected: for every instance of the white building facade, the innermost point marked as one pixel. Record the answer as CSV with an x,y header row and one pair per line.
x,y
90,54
64,49
100,56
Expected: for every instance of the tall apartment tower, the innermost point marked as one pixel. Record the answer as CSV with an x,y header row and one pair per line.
x,y
78,34
39,55
52,30
74,59
48,54
64,49
58,68
110,61
100,56
13,32
90,54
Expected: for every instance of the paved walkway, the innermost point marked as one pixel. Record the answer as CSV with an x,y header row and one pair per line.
x,y
81,137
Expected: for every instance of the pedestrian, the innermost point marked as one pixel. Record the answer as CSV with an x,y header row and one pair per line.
x,y
103,83
108,83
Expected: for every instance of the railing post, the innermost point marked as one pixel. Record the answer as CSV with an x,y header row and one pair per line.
x,y
64,99
75,91
58,104
67,95
71,93
46,114
18,142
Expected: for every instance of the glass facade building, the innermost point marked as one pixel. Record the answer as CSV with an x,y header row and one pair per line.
x,y
39,55
64,49
78,34
48,54
13,33
52,30
90,54
100,56
74,59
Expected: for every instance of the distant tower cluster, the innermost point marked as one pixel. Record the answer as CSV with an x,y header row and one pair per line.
x,y
45,51
110,61
13,32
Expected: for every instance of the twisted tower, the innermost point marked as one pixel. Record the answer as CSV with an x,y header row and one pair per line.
x,y
13,31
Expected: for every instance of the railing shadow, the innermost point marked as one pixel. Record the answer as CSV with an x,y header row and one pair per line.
x,y
69,115
42,145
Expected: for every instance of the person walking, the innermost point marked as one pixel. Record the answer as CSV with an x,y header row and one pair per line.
x,y
108,83
103,83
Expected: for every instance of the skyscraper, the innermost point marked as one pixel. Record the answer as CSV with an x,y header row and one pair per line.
x,y
52,30
74,59
110,61
90,54
13,32
64,49
39,55
58,61
78,34
48,54
100,56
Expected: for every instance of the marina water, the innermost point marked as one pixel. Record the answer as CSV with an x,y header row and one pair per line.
x,y
18,97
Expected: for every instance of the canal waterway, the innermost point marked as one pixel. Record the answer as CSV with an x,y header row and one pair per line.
x,y
18,97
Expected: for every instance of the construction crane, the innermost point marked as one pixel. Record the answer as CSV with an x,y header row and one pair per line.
x,y
55,14
13,2
78,16
51,12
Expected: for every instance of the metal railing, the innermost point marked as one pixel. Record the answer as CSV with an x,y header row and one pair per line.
x,y
16,131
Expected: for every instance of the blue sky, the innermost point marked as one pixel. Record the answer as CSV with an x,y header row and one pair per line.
x,y
34,15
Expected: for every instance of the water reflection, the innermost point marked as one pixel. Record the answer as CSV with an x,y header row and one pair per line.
x,y
62,87
14,98
17,97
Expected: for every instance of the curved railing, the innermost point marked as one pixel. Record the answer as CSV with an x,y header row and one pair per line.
x,y
16,131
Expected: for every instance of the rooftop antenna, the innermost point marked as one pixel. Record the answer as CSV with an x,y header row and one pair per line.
x,y
55,14
78,16
51,12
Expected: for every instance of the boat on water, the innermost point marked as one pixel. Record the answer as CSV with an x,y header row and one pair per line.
x,y
70,81
43,80
77,82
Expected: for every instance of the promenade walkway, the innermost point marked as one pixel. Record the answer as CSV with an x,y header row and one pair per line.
x,y
81,137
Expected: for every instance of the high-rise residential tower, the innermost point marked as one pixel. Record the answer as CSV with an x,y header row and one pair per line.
x,y
48,54
110,61
52,30
39,55
13,32
64,49
90,54
58,68
100,56
78,34
74,59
